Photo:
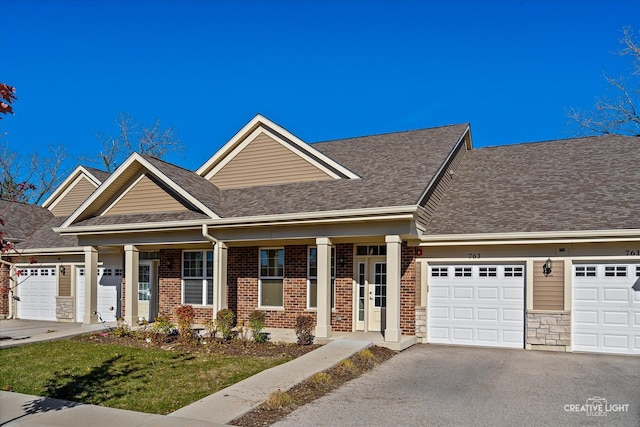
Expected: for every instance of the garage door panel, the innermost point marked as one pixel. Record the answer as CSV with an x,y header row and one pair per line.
x,y
37,291
460,313
606,310
476,310
107,298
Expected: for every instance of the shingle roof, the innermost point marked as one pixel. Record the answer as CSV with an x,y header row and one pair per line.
x,y
32,226
98,173
194,184
570,185
395,169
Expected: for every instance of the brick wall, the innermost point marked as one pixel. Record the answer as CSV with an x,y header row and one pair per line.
x,y
5,285
408,290
342,316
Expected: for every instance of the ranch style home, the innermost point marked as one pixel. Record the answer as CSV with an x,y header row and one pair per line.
x,y
414,235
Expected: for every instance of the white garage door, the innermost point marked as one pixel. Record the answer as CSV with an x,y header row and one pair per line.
x,y
109,279
37,292
606,308
476,305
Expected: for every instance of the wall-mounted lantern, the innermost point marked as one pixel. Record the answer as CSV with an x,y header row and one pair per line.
x,y
547,267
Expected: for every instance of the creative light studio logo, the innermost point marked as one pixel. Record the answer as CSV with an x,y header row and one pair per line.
x,y
596,407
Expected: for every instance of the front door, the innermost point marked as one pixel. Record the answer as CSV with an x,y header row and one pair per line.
x,y
372,293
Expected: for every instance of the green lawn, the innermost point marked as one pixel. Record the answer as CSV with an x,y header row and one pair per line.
x,y
145,380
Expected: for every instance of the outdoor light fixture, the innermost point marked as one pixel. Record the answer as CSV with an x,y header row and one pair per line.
x,y
169,263
546,268
63,270
341,262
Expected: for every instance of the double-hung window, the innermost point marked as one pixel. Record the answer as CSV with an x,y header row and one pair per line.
x,y
197,277
271,280
312,278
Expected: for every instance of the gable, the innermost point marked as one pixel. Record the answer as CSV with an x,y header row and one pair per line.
x,y
265,161
144,196
76,193
263,153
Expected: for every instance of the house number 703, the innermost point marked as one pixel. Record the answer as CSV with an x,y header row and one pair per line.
x,y
474,255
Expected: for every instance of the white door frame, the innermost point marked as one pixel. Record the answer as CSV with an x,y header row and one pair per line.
x,y
365,310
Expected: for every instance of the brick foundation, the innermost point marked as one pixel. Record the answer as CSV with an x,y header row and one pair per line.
x,y
548,330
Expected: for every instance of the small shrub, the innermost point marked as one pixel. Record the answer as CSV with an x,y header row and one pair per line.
x,y
347,364
185,314
257,322
163,325
278,399
320,378
304,328
122,328
211,328
365,354
225,320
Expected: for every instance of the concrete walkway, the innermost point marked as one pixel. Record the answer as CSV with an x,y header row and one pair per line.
x,y
15,332
215,410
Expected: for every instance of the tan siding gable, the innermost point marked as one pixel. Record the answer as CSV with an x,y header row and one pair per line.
x,y
145,196
265,161
548,292
77,194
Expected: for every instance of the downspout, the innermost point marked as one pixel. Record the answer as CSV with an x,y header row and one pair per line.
x,y
10,296
217,262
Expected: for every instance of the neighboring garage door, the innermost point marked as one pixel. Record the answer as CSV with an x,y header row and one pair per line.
x,y
37,292
606,308
479,305
109,279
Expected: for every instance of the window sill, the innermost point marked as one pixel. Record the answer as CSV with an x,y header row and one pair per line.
x,y
270,308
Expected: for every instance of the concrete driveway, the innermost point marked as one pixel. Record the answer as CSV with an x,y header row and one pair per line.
x,y
429,385
17,331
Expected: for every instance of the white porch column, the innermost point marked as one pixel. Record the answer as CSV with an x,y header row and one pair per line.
x,y
219,277
323,326
91,285
392,333
131,265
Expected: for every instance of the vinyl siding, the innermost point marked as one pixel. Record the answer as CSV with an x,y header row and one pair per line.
x,y
548,292
74,198
265,161
432,198
64,282
145,197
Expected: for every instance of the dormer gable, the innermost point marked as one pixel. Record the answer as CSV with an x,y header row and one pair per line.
x,y
264,153
74,190
141,186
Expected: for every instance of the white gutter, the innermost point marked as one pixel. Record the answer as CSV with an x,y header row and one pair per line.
x,y
531,237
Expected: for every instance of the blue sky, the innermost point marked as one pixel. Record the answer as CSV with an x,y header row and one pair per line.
x,y
321,69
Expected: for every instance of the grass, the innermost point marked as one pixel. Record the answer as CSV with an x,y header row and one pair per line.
x,y
145,380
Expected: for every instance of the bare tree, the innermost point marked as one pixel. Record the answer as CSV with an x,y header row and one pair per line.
x,y
616,114
134,137
41,170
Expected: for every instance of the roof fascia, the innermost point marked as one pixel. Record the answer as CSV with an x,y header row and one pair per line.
x,y
531,237
280,134
135,158
66,185
370,214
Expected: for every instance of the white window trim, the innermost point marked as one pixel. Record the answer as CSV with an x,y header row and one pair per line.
x,y
310,277
260,277
204,278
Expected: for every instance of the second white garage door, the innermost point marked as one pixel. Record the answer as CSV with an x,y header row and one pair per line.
x,y
606,308
479,305
109,279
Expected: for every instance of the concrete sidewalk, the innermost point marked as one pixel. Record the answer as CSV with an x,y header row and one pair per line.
x,y
15,332
215,410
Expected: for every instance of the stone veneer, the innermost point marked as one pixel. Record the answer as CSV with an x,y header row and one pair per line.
x,y
65,308
421,322
548,330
